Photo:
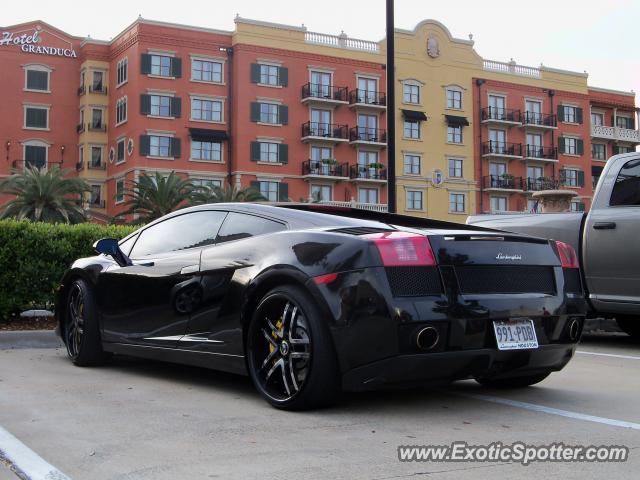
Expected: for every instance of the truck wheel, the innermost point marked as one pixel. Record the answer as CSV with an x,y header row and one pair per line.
x,y
513,382
630,325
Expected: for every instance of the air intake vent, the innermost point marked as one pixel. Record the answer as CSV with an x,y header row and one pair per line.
x,y
361,230
505,279
414,281
572,282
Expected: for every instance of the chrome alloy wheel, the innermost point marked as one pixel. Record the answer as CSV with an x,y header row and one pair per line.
x,y
75,321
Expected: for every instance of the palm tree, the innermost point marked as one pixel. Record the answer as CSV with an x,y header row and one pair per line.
x,y
154,196
44,195
209,194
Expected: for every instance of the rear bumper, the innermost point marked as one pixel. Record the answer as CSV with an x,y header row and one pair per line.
x,y
426,368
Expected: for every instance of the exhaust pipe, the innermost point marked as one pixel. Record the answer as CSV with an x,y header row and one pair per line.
x,y
574,329
427,338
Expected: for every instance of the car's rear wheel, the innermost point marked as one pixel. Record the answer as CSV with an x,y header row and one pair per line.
x,y
630,325
82,332
513,382
290,354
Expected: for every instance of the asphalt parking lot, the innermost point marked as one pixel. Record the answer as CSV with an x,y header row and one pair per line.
x,y
138,419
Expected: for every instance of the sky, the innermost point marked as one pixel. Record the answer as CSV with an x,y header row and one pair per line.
x,y
581,35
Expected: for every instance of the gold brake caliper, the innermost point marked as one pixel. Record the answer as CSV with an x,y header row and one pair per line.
x,y
274,334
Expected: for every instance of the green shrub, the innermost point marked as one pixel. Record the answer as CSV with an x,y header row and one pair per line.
x,y
34,256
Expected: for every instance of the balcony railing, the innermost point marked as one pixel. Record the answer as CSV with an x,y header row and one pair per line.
x,y
325,168
367,97
97,127
325,130
506,182
341,41
97,203
615,133
539,119
325,92
501,115
542,183
82,90
96,165
543,153
368,173
376,207
80,128
21,164
98,89
502,148
365,134
512,68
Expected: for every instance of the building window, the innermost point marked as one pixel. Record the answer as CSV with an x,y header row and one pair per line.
x,y
498,204
121,110
206,110
122,71
570,177
120,190
268,152
161,65
206,71
95,197
624,122
456,202
411,93
598,151
35,155
411,129
269,113
455,167
619,150
269,75
414,200
454,134
597,119
160,105
96,157
96,119
206,182
206,151
269,190
37,79
36,117
321,193
454,99
577,207
570,145
367,91
120,150
368,195
412,164
159,146
97,82
570,114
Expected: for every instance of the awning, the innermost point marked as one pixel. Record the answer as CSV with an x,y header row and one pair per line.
x,y
456,121
414,115
206,135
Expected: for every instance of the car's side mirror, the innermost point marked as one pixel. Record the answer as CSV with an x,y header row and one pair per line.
x,y
109,246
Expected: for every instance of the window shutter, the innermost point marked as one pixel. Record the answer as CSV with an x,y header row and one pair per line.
x,y
255,151
613,120
579,115
561,113
283,192
283,76
145,64
561,144
283,114
255,73
176,107
145,104
176,67
580,178
255,185
283,153
144,145
580,147
255,112
175,147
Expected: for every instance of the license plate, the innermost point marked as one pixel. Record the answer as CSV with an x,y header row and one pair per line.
x,y
515,334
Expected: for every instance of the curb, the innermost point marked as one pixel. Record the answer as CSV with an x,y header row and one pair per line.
x,y
29,339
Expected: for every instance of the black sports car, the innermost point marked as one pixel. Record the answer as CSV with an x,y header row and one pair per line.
x,y
312,300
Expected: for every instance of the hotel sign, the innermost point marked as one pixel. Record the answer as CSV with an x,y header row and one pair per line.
x,y
28,43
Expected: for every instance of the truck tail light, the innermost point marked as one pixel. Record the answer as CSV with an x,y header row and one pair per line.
x,y
403,249
568,256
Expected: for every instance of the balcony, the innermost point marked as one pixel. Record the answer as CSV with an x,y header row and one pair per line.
x,y
364,136
324,94
368,173
324,132
80,128
545,121
97,127
543,154
98,88
328,168
501,116
22,164
542,183
502,150
503,183
616,134
367,99
96,165
79,166
82,90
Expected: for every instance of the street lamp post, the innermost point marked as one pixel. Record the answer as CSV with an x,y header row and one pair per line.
x,y
391,111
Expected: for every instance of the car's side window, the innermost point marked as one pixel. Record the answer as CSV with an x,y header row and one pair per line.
x,y
239,225
196,229
127,244
626,190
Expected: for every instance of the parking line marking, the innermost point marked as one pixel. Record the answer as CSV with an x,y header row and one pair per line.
x,y
554,411
26,463
628,357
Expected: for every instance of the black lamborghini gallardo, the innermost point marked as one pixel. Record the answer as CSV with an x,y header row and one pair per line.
x,y
311,300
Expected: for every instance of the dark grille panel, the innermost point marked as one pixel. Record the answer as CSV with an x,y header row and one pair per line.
x,y
572,280
361,230
505,279
414,281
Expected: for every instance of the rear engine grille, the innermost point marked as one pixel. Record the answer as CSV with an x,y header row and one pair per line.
x,y
505,279
414,281
572,280
361,230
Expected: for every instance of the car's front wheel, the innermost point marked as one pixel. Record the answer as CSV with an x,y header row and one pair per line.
x,y
513,382
290,354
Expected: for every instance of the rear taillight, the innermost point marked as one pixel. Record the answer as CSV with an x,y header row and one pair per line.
x,y
402,249
568,256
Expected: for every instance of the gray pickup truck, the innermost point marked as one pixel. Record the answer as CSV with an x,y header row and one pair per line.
x,y
607,240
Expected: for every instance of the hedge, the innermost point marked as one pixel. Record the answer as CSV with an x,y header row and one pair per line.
x,y
34,256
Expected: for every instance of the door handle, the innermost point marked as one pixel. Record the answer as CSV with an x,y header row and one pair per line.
x,y
144,264
604,225
191,269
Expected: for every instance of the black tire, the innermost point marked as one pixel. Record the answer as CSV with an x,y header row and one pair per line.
x,y
513,382
630,325
290,353
81,329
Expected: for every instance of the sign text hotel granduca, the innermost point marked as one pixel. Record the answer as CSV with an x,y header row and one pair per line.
x,y
29,44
